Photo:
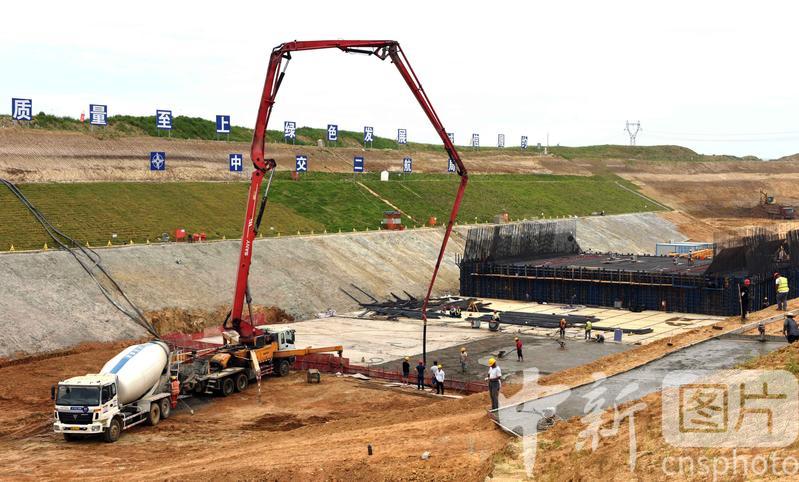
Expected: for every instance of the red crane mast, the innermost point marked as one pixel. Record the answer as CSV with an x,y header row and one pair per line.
x,y
381,49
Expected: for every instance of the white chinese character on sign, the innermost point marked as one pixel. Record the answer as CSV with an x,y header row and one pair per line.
x,y
475,140
500,140
98,114
21,109
332,132
289,130
402,136
407,165
451,167
163,119
451,136
235,163
368,134
301,164
524,142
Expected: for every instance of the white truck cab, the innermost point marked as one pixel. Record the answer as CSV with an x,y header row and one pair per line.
x,y
85,405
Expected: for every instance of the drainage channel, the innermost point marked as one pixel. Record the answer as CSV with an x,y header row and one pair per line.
x,y
715,354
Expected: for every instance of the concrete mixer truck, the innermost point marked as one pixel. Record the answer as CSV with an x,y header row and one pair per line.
x,y
130,389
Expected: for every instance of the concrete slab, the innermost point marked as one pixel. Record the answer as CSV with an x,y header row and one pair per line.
x,y
664,324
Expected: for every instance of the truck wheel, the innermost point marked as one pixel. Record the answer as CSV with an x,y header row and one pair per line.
x,y
155,414
283,368
166,408
241,382
228,386
70,437
113,431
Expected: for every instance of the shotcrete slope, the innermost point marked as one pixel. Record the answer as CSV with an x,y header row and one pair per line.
x,y
49,303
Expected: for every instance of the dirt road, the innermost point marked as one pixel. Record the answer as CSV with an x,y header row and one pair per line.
x,y
298,431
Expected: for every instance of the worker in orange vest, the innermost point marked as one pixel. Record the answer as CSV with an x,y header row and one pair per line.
x,y
175,391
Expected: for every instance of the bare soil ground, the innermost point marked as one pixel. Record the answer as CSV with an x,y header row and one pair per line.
x,y
297,431
50,156
178,320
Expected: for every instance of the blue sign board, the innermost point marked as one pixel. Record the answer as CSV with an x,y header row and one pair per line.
x,y
301,163
163,119
21,109
290,131
223,124
357,164
407,164
524,142
368,134
157,161
402,136
236,164
332,132
451,166
475,140
98,115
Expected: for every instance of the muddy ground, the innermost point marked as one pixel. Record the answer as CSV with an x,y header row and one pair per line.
x,y
297,431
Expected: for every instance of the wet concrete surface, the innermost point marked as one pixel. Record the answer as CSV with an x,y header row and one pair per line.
x,y
716,354
542,353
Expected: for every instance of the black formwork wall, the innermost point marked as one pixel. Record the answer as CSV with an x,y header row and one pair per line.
x,y
486,272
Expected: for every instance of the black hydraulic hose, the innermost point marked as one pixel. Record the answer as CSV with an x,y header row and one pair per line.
x,y
75,250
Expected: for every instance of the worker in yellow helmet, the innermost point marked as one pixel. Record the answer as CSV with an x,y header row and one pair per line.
x,y
464,359
494,382
406,370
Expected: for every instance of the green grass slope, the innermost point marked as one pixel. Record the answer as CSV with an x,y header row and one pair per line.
x,y
319,201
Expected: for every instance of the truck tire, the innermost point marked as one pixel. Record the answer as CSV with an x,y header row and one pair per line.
x,y
283,368
70,437
155,414
228,386
241,382
113,431
166,408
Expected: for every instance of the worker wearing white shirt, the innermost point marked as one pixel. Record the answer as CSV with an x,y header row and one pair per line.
x,y
440,380
433,376
494,382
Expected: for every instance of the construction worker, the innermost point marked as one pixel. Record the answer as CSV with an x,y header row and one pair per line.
x,y
464,359
494,382
433,377
761,329
406,370
745,298
519,356
174,387
789,328
440,380
495,316
420,375
562,328
588,326
781,283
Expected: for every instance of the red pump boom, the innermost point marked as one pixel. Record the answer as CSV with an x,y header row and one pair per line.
x,y
382,49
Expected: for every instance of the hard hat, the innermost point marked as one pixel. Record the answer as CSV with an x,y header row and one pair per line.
x,y
406,358
747,282
790,315
463,349
776,274
173,377
440,365
516,338
491,362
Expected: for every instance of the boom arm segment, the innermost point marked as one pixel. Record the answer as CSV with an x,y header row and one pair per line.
x,y
274,77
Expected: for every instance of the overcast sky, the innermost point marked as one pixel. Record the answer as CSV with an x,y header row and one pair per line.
x,y
716,76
